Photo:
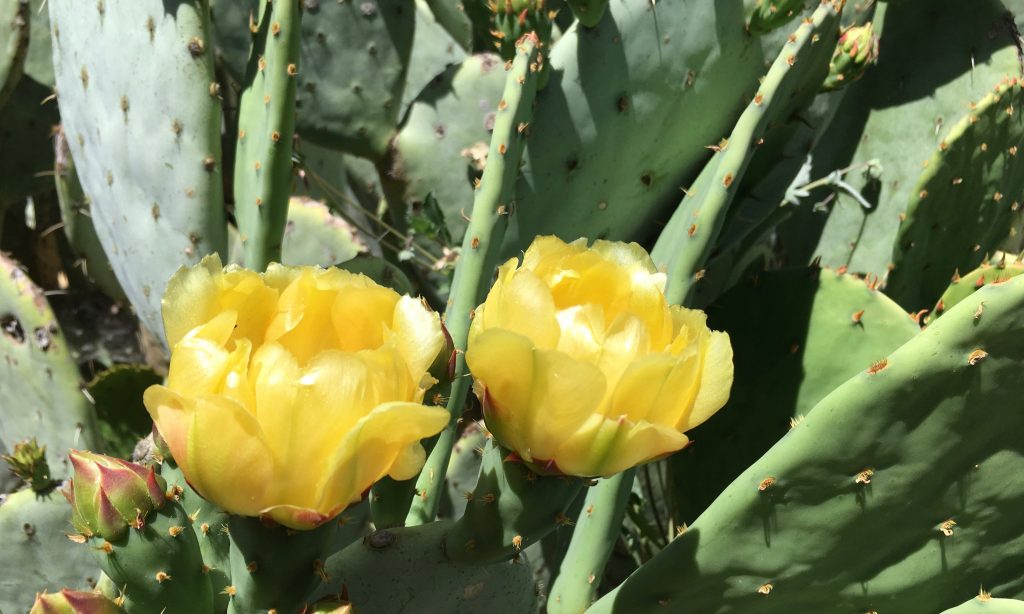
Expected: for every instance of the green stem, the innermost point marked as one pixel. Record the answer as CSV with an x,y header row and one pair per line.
x,y
491,207
592,541
266,125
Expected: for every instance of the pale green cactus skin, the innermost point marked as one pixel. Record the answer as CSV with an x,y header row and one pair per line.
x,y
834,183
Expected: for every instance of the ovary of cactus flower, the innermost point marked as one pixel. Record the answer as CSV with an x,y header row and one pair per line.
x,y
856,50
582,366
28,462
292,391
74,602
108,495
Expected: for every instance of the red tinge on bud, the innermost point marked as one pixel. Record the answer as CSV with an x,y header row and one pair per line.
x,y
108,495
74,602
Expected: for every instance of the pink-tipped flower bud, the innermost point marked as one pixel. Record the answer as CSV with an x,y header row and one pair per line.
x,y
74,602
109,494
856,50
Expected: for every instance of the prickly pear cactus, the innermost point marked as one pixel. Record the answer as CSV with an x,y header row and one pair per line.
x,y
40,377
376,572
898,115
37,553
146,142
999,271
984,603
900,495
14,23
785,327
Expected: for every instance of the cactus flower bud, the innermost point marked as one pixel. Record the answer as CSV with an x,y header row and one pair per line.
x,y
291,392
109,494
74,602
856,50
582,366
28,462
771,14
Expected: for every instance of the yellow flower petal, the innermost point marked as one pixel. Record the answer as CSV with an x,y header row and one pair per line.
x,y
505,362
361,317
417,335
409,462
639,388
191,298
605,447
565,393
196,428
628,373
522,303
715,382
373,446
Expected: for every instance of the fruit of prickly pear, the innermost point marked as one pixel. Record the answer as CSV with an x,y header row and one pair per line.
x,y
582,366
108,495
28,462
74,602
515,18
856,50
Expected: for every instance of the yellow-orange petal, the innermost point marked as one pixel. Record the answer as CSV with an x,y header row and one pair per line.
x,y
416,331
627,255
370,449
299,518
523,304
715,382
565,393
408,463
361,316
503,364
211,437
606,446
191,298
640,386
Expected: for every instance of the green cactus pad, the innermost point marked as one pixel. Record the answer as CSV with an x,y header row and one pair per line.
x,y
146,142
463,470
407,570
15,28
963,286
117,395
39,61
266,126
38,376
797,335
354,59
78,227
159,565
433,51
891,495
898,114
451,15
210,526
588,12
966,200
985,604
312,236
37,553
686,243
628,113
443,144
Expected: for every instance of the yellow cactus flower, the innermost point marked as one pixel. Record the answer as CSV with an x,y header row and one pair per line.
x,y
291,392
582,366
